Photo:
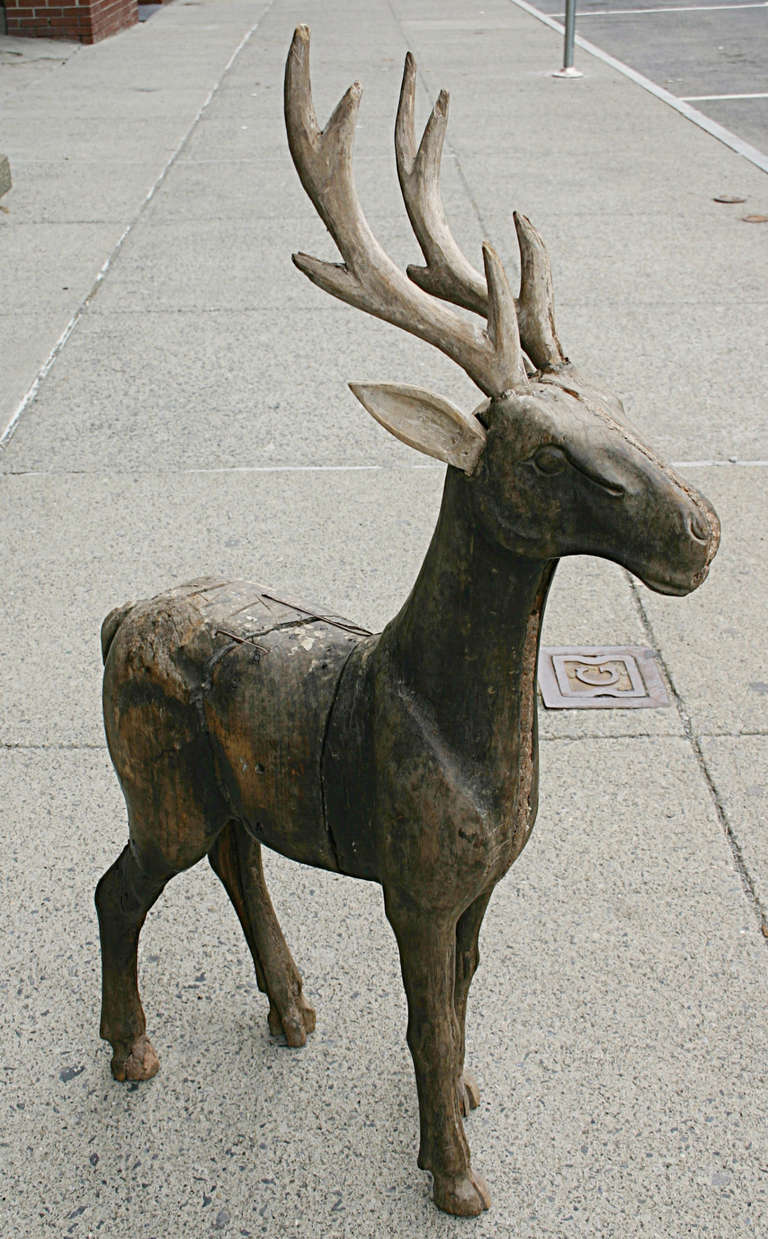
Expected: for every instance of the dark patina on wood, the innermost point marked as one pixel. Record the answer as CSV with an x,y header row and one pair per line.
x,y
407,757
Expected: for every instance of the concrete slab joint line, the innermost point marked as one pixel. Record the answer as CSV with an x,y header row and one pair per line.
x,y
7,433
737,144
747,881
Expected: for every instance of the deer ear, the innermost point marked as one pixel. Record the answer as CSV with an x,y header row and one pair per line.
x,y
426,422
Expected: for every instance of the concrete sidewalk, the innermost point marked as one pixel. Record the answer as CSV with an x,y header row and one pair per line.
x,y
176,403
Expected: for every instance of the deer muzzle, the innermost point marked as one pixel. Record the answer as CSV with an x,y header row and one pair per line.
x,y
685,545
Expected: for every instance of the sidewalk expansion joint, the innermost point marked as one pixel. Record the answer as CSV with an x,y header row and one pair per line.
x,y
733,735
383,467
392,467
575,738
737,855
452,151
20,745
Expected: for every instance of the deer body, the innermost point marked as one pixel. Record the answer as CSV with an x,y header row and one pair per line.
x,y
220,695
410,757
327,744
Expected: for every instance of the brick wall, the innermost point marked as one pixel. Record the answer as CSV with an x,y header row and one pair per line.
x,y
86,20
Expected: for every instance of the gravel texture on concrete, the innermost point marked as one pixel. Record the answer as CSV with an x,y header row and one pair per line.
x,y
176,403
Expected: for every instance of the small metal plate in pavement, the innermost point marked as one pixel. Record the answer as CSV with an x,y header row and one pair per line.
x,y
611,677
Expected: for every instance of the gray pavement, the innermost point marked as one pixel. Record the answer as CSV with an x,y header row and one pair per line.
x,y
175,398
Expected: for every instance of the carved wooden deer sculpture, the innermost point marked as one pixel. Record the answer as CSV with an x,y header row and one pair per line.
x,y
408,758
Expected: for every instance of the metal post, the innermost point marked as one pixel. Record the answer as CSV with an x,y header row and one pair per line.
x,y
570,37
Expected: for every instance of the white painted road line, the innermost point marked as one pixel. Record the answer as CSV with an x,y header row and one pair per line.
x,y
763,94
758,158
731,462
683,8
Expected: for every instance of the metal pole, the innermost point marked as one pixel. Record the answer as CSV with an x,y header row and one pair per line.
x,y
570,37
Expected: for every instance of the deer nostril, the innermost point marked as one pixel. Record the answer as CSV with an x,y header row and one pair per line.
x,y
699,528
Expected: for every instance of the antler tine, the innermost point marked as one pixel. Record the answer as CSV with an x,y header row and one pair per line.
x,y
367,278
536,303
447,274
502,312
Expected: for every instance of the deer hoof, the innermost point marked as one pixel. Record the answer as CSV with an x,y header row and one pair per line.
x,y
295,1022
137,1062
462,1195
468,1093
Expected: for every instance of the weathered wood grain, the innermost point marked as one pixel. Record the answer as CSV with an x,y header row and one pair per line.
x,y
408,758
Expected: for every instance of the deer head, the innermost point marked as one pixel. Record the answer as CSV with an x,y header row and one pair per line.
x,y
550,466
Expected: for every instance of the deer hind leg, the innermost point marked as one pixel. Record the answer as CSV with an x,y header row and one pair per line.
x,y
167,836
427,947
467,959
124,896
236,858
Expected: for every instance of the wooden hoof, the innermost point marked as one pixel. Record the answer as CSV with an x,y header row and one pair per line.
x,y
294,1025
139,1062
469,1093
463,1196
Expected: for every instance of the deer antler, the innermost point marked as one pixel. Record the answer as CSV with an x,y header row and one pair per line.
x,y
536,303
368,278
448,274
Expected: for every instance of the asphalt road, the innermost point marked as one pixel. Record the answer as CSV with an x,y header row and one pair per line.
x,y
712,55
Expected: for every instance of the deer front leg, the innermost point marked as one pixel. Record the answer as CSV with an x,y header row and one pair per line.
x,y
427,948
467,959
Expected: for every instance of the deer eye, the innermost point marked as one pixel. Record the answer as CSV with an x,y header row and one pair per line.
x,y
550,459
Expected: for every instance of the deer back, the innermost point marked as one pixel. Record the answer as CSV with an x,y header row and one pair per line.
x,y
229,691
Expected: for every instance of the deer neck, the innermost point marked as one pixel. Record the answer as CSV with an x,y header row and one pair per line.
x,y
466,641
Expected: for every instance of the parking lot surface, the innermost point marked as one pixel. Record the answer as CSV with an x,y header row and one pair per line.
x,y
712,55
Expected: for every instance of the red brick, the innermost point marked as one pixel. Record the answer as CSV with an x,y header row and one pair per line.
x,y
113,28
100,20
87,20
119,21
61,28
117,10
121,10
